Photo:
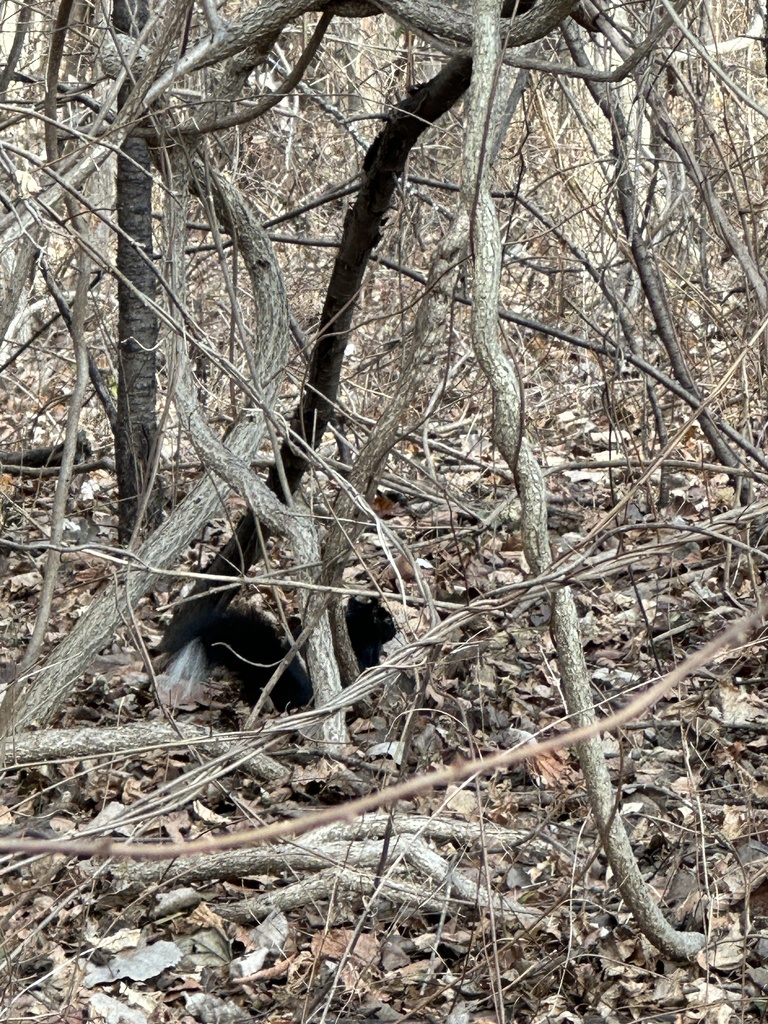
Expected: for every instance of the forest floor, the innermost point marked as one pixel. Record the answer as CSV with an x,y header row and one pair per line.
x,y
489,900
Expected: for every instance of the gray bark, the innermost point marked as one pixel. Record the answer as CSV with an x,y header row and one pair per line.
x,y
478,208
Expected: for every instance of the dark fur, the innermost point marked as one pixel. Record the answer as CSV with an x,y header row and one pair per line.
x,y
246,644
370,626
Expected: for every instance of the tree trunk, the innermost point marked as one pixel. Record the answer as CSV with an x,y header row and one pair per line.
x,y
137,323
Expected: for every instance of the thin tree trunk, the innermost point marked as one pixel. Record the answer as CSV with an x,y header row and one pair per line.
x,y
137,323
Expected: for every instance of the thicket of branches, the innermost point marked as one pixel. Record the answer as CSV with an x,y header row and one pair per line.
x,y
353,296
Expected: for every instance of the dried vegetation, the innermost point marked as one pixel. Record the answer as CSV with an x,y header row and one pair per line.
x,y
633,304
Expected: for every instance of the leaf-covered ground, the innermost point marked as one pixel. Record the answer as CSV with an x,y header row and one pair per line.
x,y
489,900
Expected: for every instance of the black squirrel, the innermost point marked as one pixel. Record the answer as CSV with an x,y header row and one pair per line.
x,y
245,643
